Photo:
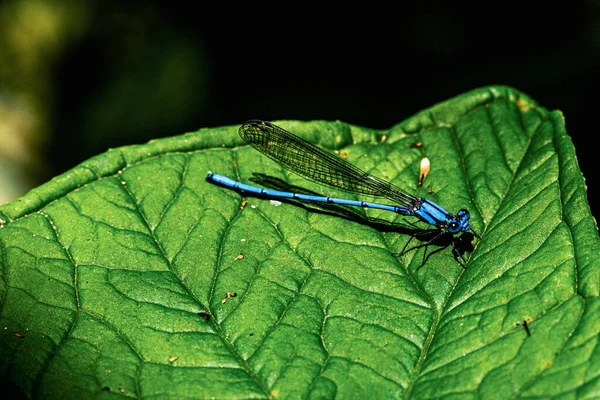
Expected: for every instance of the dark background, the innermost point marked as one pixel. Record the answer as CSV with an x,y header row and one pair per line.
x,y
160,69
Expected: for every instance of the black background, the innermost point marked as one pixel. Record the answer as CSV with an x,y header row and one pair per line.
x,y
371,67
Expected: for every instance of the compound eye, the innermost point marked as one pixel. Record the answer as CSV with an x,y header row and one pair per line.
x,y
453,226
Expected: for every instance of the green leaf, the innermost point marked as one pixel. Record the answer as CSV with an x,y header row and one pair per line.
x,y
111,270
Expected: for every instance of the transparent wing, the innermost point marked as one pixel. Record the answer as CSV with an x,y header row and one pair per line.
x,y
314,163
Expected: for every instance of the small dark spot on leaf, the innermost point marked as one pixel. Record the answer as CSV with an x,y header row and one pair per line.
x,y
524,324
204,315
106,389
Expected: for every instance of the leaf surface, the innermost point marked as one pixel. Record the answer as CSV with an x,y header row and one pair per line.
x,y
115,275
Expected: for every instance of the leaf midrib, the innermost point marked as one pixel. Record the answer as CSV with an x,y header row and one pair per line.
x,y
439,312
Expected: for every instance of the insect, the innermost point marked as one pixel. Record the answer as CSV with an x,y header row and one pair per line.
x,y
319,165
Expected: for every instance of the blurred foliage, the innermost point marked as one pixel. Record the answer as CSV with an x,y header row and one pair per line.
x,y
33,37
79,77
